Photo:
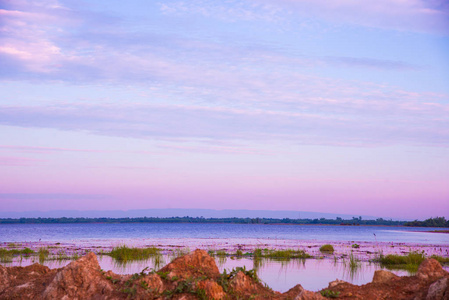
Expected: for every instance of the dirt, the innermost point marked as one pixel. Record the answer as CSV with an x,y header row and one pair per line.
x,y
196,276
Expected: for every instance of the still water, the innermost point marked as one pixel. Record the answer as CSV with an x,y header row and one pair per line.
x,y
312,274
69,232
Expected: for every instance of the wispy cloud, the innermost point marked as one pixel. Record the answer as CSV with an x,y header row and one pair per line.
x,y
50,196
15,161
149,122
408,15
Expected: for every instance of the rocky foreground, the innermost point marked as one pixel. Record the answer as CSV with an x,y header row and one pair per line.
x,y
196,276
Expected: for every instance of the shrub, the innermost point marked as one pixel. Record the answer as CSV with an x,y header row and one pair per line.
x,y
327,248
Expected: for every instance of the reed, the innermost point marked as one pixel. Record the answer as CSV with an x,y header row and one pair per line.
x,y
125,253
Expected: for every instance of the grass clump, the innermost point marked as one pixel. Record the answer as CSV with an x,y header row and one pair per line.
x,y
286,254
125,253
328,248
7,255
408,262
43,254
440,259
330,294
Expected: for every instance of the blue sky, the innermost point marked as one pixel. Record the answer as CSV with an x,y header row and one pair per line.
x,y
335,106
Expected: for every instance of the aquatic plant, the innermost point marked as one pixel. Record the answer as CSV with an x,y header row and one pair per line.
x,y
286,254
409,262
327,248
125,253
440,259
354,262
179,252
43,254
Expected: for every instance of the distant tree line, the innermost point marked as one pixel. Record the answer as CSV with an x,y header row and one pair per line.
x,y
187,219
432,222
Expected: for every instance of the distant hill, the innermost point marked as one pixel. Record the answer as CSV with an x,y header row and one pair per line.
x,y
180,212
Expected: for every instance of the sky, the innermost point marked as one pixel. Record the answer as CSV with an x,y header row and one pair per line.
x,y
312,105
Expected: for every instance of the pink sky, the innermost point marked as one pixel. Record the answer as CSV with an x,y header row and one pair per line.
x,y
337,107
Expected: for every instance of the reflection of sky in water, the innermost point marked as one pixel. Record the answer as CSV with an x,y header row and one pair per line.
x,y
312,274
116,232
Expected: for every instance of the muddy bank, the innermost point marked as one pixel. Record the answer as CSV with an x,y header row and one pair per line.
x,y
196,276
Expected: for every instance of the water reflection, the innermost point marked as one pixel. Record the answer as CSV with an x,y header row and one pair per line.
x,y
280,275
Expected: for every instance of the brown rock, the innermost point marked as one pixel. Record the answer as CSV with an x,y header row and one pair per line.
x,y
243,284
213,290
193,265
154,282
439,290
382,276
430,269
80,279
299,293
4,279
336,282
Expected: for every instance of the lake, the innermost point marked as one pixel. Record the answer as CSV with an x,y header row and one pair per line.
x,y
312,274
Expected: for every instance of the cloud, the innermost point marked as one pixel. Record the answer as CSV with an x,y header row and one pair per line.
x,y
45,41
18,161
215,123
405,15
44,196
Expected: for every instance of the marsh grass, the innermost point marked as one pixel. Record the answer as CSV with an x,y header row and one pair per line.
x,y
409,262
7,255
327,248
440,259
43,254
285,254
179,252
125,253
352,265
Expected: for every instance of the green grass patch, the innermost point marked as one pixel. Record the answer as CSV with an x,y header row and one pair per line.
x,y
125,253
285,254
440,259
409,262
327,248
7,255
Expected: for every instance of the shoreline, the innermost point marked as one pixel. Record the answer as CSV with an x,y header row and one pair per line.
x,y
365,251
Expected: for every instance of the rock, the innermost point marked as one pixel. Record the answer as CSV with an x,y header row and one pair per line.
x,y
154,282
193,265
80,279
212,289
335,283
4,279
439,290
299,293
382,276
243,284
430,269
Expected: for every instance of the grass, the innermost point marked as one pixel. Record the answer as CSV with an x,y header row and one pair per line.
x,y
330,294
179,252
286,254
7,255
354,262
440,259
125,253
409,262
327,248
